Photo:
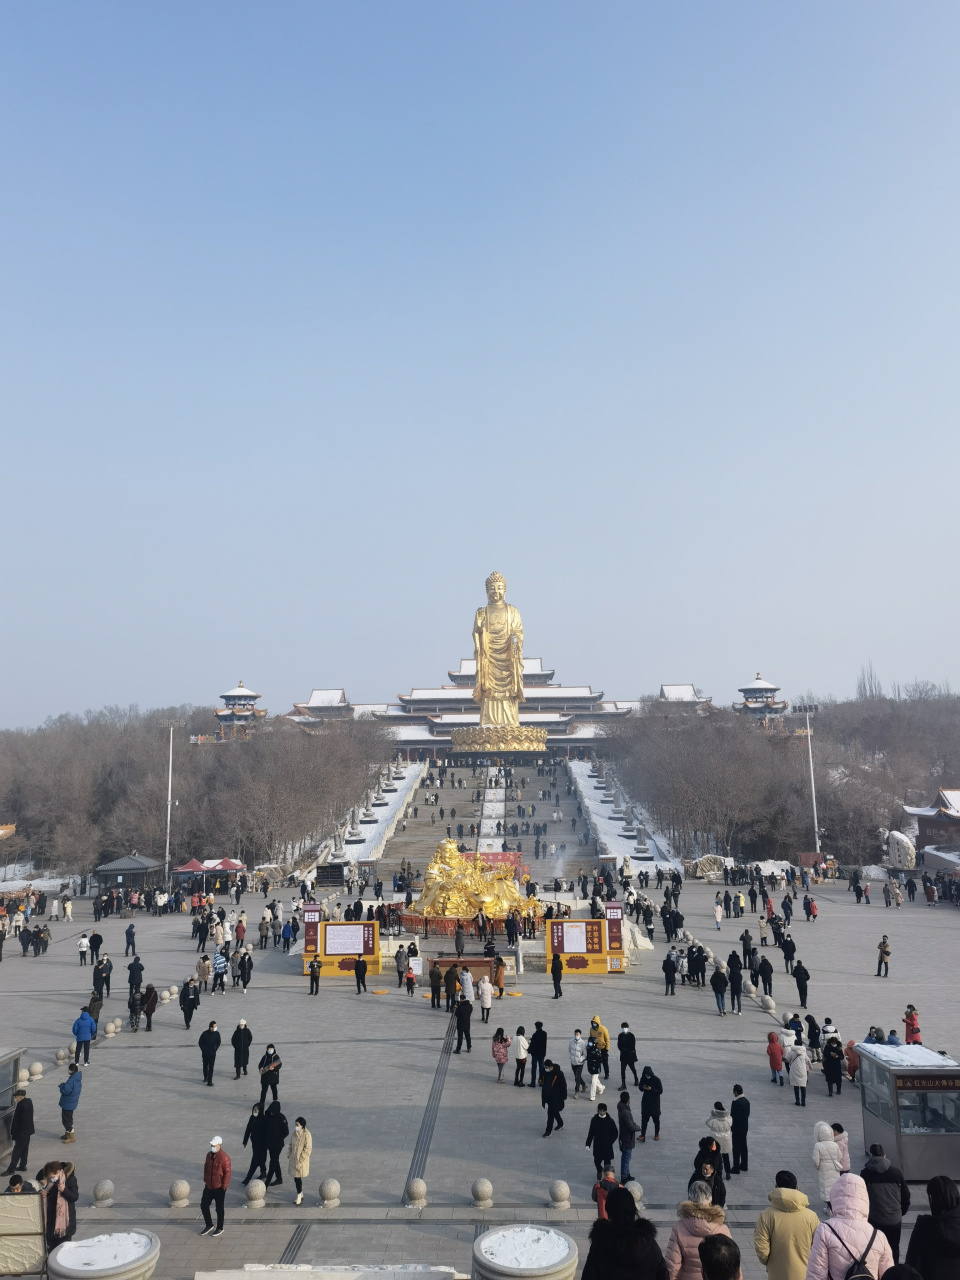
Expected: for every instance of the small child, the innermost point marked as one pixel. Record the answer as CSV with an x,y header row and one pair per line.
x,y
411,981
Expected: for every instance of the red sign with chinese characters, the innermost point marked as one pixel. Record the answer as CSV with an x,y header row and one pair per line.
x,y
311,928
614,913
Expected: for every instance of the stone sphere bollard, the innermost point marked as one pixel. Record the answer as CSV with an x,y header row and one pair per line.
x,y
524,1250
164,997
256,1194
709,954
36,1070
482,1192
416,1193
179,1194
559,1195
103,1194
62,1055
108,1031
748,988
23,1075
330,1193
73,1047
174,989
766,1002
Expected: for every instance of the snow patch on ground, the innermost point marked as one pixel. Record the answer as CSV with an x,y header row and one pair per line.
x,y
525,1247
114,1250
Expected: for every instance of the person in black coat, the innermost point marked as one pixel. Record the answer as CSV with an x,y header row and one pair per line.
x,y
623,1246
538,1054
801,976
708,1168
627,1048
740,1123
934,1248
269,1068
276,1133
360,973
651,1089
135,971
833,1064
462,1014
736,985
241,1040
669,975
70,1192
601,1135
209,1043
556,972
256,1134
189,1000
766,976
21,1131
553,1095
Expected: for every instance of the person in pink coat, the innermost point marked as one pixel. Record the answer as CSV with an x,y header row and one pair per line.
x,y
697,1219
842,1139
842,1239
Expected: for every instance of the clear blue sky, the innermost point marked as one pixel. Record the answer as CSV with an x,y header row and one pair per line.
x,y
311,315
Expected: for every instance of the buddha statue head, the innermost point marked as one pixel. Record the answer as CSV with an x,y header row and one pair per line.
x,y
496,586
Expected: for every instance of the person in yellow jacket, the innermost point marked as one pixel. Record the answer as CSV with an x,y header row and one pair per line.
x,y
298,1156
784,1233
602,1037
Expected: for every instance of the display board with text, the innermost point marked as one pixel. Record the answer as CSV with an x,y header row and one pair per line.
x,y
338,944
584,946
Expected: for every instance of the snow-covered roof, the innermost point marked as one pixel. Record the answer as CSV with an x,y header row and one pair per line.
x,y
679,693
906,1055
948,802
240,692
531,666
326,698
526,717
758,685
457,694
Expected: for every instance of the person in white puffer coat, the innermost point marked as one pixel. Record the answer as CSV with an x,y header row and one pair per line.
x,y
827,1158
719,1126
842,1239
799,1064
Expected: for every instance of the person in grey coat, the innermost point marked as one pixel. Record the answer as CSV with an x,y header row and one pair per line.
x,y
627,1133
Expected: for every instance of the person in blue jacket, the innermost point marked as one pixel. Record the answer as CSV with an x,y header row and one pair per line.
x,y
69,1097
84,1029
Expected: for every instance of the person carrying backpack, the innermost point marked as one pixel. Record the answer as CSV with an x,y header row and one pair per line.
x,y
846,1246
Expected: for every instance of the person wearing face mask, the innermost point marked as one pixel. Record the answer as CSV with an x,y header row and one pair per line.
x,y
269,1068
298,1156
577,1048
209,1043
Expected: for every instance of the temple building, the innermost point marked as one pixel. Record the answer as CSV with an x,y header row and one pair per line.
x,y
423,720
938,823
760,701
239,713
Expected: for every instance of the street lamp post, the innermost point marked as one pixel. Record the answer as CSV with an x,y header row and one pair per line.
x,y
808,709
166,860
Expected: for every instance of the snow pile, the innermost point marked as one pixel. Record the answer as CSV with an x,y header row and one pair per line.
x,y
115,1250
873,873
525,1247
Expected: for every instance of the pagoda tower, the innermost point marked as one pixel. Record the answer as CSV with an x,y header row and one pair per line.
x,y
239,714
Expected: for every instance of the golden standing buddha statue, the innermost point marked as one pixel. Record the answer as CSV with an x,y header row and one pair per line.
x,y
498,650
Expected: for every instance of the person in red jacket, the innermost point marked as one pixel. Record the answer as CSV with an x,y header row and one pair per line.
x,y
775,1054
216,1179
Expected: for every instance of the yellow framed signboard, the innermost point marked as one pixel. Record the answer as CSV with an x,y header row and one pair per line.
x,y
582,946
339,944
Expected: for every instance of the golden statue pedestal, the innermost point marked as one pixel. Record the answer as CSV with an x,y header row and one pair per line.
x,y
495,739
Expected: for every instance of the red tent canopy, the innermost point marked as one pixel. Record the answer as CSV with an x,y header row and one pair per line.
x,y
192,865
228,864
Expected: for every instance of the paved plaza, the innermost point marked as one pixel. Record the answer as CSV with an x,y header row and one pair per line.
x,y
361,1070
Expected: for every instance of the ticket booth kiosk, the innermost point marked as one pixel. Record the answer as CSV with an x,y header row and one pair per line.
x,y
588,946
339,944
910,1101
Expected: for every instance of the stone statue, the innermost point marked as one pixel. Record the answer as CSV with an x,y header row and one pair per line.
x,y
498,649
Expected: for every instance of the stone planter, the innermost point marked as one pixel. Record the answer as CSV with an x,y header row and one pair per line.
x,y
524,1252
121,1255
